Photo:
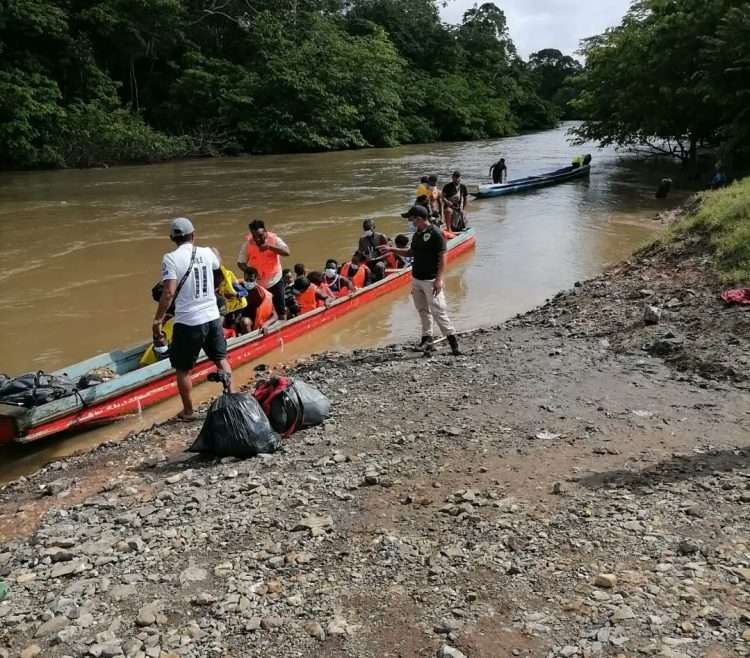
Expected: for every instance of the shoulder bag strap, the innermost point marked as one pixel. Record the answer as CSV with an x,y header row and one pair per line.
x,y
186,275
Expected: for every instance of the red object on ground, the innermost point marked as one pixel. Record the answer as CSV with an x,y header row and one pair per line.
x,y
737,296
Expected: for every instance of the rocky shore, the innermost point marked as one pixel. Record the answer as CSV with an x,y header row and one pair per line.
x,y
576,484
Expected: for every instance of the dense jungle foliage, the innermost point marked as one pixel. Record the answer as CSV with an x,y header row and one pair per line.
x,y
85,82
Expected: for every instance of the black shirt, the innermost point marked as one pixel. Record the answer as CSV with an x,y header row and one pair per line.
x,y
427,247
451,190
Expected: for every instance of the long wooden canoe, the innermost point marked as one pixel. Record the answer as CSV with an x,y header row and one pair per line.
x,y
530,182
135,388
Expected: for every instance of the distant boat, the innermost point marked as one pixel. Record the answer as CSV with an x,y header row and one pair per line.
x,y
531,182
135,388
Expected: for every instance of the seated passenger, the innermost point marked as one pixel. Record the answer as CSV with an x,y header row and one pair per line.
x,y
291,303
369,245
356,271
335,285
307,294
402,242
299,270
159,349
259,313
232,299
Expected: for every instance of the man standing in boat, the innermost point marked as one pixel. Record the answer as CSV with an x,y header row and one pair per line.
x,y
263,250
428,249
455,199
499,172
190,274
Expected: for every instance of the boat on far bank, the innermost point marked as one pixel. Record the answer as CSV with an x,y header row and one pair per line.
x,y
563,175
134,387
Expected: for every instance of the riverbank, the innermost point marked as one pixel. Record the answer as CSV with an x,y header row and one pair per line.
x,y
574,485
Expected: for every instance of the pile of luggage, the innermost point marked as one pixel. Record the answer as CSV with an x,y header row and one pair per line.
x,y
245,424
37,388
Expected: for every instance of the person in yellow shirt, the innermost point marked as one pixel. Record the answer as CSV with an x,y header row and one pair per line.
x,y
231,291
423,189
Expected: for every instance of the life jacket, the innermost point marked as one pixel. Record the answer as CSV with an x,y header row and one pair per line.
x,y
267,262
228,293
391,262
265,311
334,288
360,277
307,300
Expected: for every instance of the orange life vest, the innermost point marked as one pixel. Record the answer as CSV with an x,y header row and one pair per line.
x,y
360,278
391,262
265,311
307,300
340,291
267,262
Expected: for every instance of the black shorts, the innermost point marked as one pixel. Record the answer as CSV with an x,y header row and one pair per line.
x,y
279,300
188,341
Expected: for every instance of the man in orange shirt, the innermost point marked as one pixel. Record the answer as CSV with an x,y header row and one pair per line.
x,y
263,250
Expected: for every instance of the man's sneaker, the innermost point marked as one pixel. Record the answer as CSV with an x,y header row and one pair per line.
x,y
453,342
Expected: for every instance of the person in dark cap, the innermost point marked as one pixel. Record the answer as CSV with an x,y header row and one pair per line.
x,y
189,275
455,201
428,250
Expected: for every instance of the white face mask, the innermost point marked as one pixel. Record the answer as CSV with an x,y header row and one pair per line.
x,y
250,285
330,273
368,234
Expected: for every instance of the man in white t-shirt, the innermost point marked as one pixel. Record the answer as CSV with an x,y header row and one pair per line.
x,y
188,277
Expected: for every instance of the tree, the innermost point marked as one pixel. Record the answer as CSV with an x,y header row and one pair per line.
x,y
554,72
640,86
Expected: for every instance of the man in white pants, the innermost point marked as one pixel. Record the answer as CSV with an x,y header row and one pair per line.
x,y
428,251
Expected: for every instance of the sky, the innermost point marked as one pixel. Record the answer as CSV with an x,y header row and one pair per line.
x,y
537,24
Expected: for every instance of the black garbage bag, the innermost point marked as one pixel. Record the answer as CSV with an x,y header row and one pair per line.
x,y
236,427
292,405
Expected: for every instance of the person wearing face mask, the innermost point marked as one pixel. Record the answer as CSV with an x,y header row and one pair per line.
x,y
259,313
356,270
369,247
333,284
263,250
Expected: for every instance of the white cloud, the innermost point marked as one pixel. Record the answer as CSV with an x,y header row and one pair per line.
x,y
537,24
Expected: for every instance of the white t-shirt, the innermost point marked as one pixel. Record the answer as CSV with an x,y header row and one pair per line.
x,y
196,303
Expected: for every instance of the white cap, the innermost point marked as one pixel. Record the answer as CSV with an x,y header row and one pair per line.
x,y
181,227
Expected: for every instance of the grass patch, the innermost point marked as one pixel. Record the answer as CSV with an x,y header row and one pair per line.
x,y
722,219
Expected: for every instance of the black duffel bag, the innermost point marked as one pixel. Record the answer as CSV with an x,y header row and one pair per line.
x,y
35,388
291,404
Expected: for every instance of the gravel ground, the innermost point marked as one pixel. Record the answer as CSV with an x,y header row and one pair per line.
x,y
576,484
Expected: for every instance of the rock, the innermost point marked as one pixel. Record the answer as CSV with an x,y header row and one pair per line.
x,y
605,580
204,598
337,627
54,625
253,624
623,613
193,574
174,479
314,629
317,525
67,568
147,615
687,548
447,651
31,651
746,635
652,314
271,622
568,650
447,626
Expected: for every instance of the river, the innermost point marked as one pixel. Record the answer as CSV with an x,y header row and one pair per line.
x,y
82,248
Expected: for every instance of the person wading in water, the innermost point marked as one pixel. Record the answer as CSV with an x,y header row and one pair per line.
x,y
428,250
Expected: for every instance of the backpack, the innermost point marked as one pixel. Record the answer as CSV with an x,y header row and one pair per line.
x,y
291,405
34,389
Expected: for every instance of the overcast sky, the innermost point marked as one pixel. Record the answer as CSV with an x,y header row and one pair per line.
x,y
537,24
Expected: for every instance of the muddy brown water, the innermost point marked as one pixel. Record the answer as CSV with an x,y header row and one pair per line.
x,y
82,248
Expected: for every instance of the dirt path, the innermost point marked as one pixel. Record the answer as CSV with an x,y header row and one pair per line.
x,y
576,484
